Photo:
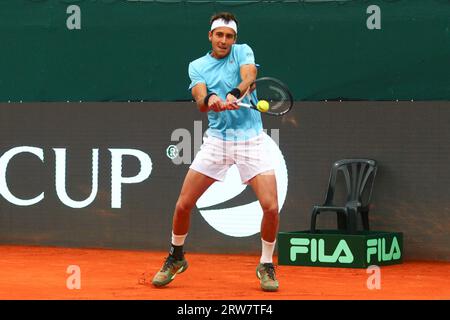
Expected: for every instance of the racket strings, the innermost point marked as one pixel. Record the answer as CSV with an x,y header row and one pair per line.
x,y
275,94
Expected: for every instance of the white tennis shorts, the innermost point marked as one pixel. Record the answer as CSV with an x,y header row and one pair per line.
x,y
216,156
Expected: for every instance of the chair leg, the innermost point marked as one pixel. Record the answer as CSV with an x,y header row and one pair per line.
x,y
341,221
351,221
313,220
365,220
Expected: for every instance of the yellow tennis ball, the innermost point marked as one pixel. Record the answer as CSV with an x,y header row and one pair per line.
x,y
262,105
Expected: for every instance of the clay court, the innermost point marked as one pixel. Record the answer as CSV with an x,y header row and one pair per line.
x,y
40,273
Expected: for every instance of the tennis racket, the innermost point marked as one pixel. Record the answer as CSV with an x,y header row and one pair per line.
x,y
269,96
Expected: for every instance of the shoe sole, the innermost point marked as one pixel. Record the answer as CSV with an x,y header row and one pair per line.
x,y
161,284
269,289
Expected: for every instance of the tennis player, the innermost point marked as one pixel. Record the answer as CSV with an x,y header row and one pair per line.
x,y
234,136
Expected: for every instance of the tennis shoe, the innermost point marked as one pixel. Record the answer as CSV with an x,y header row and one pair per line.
x,y
169,270
266,274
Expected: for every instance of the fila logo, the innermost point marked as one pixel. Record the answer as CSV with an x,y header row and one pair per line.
x,y
316,250
378,247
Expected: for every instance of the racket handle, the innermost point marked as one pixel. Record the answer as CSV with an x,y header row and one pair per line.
x,y
246,105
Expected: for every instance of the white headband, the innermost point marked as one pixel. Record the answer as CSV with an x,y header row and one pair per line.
x,y
222,23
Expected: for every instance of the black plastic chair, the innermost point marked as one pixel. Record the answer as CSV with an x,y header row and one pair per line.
x,y
357,173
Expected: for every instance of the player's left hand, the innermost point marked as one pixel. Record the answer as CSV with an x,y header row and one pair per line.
x,y
231,102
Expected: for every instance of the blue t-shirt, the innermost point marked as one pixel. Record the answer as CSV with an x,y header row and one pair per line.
x,y
220,76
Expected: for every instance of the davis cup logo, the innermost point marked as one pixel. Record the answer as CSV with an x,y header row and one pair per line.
x,y
242,220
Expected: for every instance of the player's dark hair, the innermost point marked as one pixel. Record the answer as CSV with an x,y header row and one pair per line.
x,y
227,16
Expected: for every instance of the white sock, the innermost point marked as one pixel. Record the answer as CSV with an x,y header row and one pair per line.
x,y
178,240
267,251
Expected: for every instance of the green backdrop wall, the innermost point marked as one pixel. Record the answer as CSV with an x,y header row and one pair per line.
x,y
140,50
410,192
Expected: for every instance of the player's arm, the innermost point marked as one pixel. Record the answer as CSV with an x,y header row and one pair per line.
x,y
248,75
199,93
